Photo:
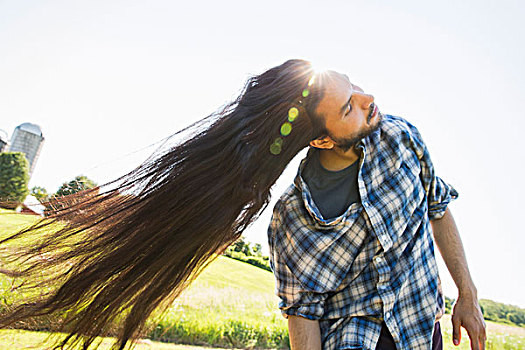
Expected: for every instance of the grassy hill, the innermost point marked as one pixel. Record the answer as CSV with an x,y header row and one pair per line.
x,y
232,304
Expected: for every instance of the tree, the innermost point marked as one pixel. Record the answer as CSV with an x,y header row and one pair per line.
x,y
257,249
39,193
14,177
79,183
241,246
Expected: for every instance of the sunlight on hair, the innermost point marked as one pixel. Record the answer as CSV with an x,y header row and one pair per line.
x,y
286,128
275,148
319,71
319,66
292,114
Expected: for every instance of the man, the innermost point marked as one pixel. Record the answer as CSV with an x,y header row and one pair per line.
x,y
350,241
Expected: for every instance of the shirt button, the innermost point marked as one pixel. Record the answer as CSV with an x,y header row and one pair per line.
x,y
387,315
365,204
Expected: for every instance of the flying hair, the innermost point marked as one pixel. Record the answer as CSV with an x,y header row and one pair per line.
x,y
121,251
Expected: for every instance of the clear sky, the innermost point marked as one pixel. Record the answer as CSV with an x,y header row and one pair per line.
x,y
107,79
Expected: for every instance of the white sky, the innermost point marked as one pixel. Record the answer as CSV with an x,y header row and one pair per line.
x,y
105,79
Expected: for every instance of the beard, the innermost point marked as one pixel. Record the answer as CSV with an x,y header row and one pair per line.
x,y
345,143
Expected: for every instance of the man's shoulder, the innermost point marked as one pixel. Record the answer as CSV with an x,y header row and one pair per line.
x,y
288,198
395,126
398,132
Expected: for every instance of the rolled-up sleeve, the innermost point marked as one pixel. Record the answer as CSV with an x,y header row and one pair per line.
x,y
439,193
294,299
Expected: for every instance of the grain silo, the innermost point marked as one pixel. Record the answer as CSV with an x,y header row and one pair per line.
x,y
4,141
28,139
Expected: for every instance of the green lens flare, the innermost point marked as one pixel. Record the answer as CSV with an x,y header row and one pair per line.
x,y
306,92
286,128
278,141
275,149
292,114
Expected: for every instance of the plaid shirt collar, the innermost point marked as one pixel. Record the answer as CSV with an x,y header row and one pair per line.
x,y
302,186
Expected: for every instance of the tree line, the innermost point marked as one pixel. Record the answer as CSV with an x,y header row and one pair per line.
x,y
496,312
242,250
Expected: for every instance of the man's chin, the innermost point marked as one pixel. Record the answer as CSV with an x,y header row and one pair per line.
x,y
375,124
346,143
375,119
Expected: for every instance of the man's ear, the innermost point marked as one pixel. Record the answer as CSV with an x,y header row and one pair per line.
x,y
324,142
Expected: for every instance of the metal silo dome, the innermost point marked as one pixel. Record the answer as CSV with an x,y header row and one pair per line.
x,y
32,128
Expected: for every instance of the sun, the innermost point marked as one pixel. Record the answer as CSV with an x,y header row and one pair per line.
x,y
319,69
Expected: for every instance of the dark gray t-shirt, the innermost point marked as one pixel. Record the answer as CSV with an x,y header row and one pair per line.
x,y
332,191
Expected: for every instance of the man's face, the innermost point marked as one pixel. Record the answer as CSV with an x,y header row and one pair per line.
x,y
349,113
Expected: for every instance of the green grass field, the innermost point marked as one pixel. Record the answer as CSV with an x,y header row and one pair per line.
x,y
499,336
14,339
231,304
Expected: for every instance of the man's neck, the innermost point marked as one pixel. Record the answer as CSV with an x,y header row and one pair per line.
x,y
335,159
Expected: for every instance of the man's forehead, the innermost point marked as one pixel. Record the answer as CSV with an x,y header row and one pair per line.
x,y
337,83
333,75
337,91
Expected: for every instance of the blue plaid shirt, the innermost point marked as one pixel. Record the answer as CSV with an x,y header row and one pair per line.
x,y
376,261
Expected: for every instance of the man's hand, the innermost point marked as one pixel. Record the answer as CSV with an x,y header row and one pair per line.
x,y
467,314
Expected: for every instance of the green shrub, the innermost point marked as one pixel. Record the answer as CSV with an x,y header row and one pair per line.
x,y
14,177
502,313
79,183
230,333
261,262
242,251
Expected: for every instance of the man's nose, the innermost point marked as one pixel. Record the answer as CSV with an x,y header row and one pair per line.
x,y
365,100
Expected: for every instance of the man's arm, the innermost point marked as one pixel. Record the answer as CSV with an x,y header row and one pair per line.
x,y
304,333
466,313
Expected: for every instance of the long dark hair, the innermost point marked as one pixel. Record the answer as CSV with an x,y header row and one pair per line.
x,y
121,251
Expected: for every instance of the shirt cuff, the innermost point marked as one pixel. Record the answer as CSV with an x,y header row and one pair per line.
x,y
436,210
309,311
